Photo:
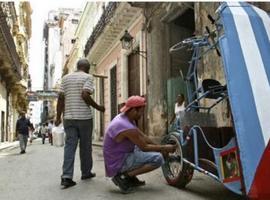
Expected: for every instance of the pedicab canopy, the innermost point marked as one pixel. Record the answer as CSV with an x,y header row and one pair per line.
x,y
245,48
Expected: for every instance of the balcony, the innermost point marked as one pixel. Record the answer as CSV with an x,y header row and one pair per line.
x,y
104,19
8,51
115,19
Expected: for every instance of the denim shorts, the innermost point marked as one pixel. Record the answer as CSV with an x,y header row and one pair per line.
x,y
139,158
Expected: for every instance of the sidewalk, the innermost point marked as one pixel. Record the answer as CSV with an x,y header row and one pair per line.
x,y
97,143
5,145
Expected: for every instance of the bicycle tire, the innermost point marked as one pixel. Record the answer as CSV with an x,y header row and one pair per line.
x,y
182,176
183,44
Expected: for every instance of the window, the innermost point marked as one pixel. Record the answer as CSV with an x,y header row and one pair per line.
x,y
74,21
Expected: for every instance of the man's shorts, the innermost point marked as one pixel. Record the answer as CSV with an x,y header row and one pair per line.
x,y
139,158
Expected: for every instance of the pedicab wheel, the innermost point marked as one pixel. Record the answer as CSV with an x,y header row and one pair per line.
x,y
176,172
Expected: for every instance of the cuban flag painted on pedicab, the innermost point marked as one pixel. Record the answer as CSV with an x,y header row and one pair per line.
x,y
245,48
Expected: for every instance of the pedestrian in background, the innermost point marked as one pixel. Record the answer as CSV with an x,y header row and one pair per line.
x,y
50,126
179,107
74,102
22,131
43,132
31,135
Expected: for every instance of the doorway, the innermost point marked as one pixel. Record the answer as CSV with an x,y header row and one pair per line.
x,y
134,82
134,74
113,88
180,28
2,126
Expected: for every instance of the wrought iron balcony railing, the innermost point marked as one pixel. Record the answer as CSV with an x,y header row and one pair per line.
x,y
104,19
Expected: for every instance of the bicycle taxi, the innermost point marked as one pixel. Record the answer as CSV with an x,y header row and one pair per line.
x,y
237,156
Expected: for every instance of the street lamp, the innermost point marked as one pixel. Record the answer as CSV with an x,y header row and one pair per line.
x,y
126,40
127,43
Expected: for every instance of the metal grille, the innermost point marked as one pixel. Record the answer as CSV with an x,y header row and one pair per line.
x,y
113,92
103,21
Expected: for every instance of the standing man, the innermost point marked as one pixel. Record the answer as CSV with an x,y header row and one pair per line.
x,y
179,107
22,130
74,102
127,151
43,132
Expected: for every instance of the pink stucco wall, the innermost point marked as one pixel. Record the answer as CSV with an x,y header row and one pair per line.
x,y
114,57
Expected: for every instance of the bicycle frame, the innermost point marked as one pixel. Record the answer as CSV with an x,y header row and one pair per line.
x,y
192,78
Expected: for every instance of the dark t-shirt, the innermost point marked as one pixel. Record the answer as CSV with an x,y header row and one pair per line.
x,y
22,126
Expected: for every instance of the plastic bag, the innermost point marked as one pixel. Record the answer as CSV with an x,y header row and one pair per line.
x,y
58,136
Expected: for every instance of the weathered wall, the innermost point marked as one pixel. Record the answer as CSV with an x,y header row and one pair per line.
x,y
158,62
162,66
263,5
211,64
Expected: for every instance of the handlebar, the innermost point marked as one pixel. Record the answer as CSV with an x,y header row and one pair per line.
x,y
189,42
198,41
211,19
212,35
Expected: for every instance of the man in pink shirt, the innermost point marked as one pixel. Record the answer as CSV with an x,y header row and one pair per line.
x,y
127,151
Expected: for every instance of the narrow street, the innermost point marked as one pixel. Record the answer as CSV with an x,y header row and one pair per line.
x,y
196,72
36,176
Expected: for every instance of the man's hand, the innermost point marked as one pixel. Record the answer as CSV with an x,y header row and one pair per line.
x,y
57,121
169,148
165,154
60,108
101,109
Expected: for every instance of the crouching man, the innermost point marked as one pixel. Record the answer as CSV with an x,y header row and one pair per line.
x,y
127,151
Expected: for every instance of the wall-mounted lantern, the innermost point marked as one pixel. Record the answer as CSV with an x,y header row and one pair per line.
x,y
127,43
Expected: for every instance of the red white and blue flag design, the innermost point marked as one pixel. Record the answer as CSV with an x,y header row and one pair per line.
x,y
245,48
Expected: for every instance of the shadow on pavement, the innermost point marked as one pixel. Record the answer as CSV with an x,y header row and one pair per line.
x,y
214,194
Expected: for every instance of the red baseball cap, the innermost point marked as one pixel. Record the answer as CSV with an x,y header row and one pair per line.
x,y
133,102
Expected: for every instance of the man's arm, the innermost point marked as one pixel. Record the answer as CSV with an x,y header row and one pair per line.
x,y
146,138
60,108
30,125
90,102
138,139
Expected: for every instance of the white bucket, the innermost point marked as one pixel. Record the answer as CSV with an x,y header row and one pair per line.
x,y
58,136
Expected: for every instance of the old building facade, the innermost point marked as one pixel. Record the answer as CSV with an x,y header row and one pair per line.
x,y
104,49
58,34
87,22
148,68
15,34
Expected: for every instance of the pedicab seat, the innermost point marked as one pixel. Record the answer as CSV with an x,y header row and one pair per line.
x,y
213,89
